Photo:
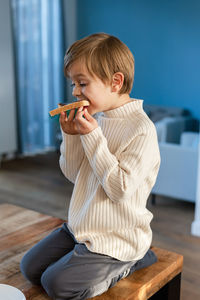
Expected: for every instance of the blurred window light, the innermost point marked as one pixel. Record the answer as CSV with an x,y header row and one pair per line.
x,y
39,51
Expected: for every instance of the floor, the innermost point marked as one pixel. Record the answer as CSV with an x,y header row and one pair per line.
x,y
37,183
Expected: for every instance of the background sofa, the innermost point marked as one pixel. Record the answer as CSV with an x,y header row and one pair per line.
x,y
178,136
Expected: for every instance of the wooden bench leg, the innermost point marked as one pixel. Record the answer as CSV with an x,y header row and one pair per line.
x,y
170,291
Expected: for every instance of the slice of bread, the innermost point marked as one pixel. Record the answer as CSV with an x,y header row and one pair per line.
x,y
68,107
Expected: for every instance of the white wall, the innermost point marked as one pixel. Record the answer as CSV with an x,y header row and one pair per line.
x,y
8,132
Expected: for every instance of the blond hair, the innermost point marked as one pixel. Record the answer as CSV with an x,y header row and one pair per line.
x,y
103,55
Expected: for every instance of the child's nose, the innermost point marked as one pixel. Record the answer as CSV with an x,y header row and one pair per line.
x,y
76,91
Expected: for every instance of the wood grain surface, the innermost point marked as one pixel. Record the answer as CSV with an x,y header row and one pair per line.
x,y
21,228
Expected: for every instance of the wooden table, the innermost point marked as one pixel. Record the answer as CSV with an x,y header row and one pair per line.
x,y
21,228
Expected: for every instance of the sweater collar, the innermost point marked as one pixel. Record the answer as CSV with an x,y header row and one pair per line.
x,y
124,110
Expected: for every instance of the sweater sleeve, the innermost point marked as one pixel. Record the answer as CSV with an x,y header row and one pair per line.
x,y
71,157
121,176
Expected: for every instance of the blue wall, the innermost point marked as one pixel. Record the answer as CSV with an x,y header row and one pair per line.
x,y
164,37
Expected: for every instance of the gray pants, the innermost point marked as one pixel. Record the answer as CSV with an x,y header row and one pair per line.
x,y
68,270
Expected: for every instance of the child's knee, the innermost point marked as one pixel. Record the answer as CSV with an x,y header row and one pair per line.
x,y
29,269
51,283
58,287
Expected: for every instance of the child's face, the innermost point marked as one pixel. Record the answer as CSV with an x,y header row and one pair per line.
x,y
89,88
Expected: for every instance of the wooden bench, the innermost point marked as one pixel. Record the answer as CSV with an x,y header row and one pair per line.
x,y
21,228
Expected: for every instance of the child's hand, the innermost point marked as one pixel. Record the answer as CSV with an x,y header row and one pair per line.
x,y
87,124
68,124
77,125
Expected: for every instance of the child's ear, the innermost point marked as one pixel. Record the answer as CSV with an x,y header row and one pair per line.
x,y
117,82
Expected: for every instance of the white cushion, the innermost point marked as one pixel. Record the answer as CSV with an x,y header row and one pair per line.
x,y
190,139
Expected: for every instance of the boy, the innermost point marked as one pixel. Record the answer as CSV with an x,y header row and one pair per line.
x,y
113,160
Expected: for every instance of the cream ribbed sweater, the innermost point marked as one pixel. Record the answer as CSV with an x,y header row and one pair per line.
x,y
114,168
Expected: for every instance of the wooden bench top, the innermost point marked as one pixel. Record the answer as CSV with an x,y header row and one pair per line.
x,y
21,228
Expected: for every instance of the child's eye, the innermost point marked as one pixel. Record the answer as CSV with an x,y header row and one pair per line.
x,y
80,84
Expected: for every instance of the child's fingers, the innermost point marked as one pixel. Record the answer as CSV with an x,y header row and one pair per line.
x,y
71,115
79,113
87,115
62,117
80,108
